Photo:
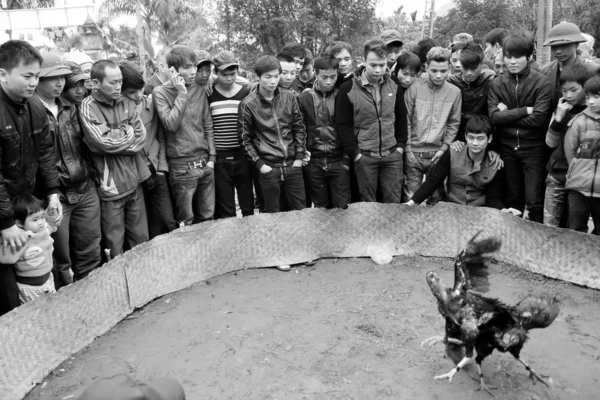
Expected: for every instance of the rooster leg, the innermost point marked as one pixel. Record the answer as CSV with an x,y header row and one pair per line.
x,y
437,339
482,385
454,370
532,374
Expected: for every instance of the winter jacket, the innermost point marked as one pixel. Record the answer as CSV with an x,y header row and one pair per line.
x,y
73,171
116,137
555,138
318,111
433,115
582,148
364,127
26,151
154,149
299,86
514,127
474,98
552,72
272,131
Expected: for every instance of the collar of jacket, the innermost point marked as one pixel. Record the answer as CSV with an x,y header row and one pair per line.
x,y
262,98
321,92
432,86
590,114
364,81
10,101
522,74
59,102
66,103
96,96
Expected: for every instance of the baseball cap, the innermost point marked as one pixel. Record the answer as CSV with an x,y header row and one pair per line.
x,y
391,36
225,59
124,387
53,66
202,56
76,74
77,57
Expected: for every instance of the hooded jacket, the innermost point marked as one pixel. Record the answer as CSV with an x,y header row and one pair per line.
x,y
582,149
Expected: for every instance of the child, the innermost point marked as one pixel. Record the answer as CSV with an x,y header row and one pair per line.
x,y
33,263
408,68
582,148
572,102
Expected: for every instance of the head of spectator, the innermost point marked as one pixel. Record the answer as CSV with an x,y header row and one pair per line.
x,y
326,69
298,52
572,80
288,69
375,53
20,65
518,50
471,62
226,66
52,77
123,387
107,79
478,133
424,46
438,65
563,40
74,91
408,68
587,48
343,52
308,71
499,66
160,62
203,67
493,42
133,82
592,94
268,69
182,60
29,212
85,63
394,43
462,38
455,51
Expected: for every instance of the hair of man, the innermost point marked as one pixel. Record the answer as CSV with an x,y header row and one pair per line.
x,y
285,56
408,60
592,86
495,36
16,52
179,56
337,46
377,46
424,46
296,49
265,64
438,54
326,62
518,45
478,124
575,73
132,77
471,56
99,68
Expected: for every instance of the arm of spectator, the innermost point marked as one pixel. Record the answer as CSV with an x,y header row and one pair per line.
x,y
246,131
498,117
344,118
556,131
409,101
47,162
209,132
163,165
170,116
572,141
240,80
401,120
452,124
7,256
434,180
298,133
541,108
493,193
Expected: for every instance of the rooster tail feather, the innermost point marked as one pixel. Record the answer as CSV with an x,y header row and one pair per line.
x,y
537,311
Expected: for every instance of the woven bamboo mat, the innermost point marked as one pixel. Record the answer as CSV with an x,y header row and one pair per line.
x,y
38,336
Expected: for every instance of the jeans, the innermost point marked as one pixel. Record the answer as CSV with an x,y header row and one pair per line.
x,y
416,166
194,193
555,201
158,205
329,184
231,174
525,172
283,180
9,291
580,208
77,240
385,171
124,219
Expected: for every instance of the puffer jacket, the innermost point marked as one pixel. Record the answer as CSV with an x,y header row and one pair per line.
x,y
582,148
272,130
318,110
187,123
73,171
26,150
365,128
514,127
115,136
474,98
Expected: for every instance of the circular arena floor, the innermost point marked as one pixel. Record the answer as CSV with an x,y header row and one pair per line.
x,y
341,329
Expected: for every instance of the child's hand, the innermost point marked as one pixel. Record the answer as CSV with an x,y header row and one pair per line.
x,y
502,107
561,109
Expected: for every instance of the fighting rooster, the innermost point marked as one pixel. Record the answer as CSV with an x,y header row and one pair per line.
x,y
481,324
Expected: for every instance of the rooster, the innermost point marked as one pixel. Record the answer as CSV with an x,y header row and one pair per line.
x,y
482,324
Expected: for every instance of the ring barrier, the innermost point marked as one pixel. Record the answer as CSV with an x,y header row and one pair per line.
x,y
36,337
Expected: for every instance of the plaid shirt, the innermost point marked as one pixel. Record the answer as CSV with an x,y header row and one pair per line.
x,y
375,90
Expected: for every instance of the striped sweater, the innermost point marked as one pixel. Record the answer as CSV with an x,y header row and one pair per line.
x,y
224,111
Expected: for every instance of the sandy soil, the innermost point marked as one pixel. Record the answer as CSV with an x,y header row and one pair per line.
x,y
341,329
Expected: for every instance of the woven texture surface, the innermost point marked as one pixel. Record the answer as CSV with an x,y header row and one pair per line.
x,y
38,336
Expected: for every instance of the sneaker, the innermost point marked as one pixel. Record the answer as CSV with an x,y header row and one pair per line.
x,y
284,267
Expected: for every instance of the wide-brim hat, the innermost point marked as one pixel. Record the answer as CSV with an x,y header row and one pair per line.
x,y
564,33
53,66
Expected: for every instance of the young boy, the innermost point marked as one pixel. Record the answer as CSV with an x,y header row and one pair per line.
x,y
306,76
328,169
33,263
518,105
433,107
393,42
408,68
343,52
232,170
572,102
288,70
582,148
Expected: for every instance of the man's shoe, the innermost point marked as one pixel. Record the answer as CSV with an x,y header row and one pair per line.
x,y
284,267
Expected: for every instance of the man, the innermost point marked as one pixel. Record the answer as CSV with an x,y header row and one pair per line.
x,y
371,121
306,76
393,42
161,76
85,63
297,51
499,66
343,52
232,169
77,240
328,170
115,135
27,151
493,42
182,106
288,69
156,188
455,51
563,40
204,67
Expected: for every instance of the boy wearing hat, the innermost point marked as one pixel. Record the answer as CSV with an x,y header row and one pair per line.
x,y
27,151
393,42
232,169
77,240
85,63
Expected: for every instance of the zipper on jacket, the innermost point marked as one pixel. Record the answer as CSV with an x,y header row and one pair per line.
x,y
278,130
323,138
517,100
378,116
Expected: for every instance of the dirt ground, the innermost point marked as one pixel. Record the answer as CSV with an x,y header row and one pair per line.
x,y
341,329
